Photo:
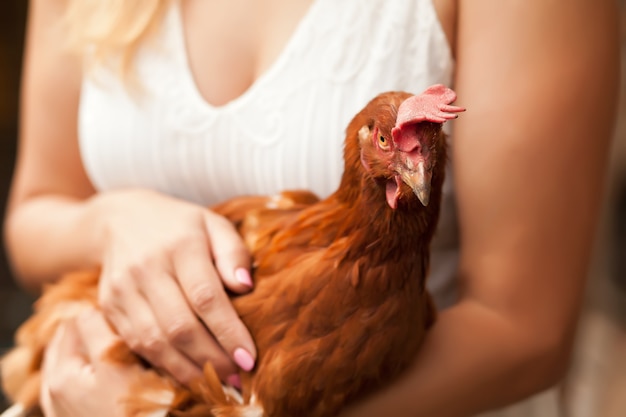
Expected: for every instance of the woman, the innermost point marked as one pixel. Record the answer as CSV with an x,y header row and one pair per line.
x,y
185,103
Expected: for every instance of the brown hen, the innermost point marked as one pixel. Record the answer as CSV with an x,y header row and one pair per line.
x,y
339,306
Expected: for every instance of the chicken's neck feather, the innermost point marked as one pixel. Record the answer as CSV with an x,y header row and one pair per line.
x,y
374,228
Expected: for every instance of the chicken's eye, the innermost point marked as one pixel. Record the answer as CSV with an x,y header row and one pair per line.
x,y
383,143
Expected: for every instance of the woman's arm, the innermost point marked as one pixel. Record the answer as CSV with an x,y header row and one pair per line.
x,y
539,80
49,185
164,261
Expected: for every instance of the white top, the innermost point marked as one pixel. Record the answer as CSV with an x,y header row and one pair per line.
x,y
286,131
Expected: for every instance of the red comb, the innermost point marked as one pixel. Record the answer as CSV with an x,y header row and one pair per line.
x,y
433,105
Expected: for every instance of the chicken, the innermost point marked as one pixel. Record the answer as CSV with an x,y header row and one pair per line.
x,y
339,306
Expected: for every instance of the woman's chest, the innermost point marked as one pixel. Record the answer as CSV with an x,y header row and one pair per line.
x,y
232,44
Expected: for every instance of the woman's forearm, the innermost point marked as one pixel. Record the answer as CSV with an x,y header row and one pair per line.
x,y
462,365
49,235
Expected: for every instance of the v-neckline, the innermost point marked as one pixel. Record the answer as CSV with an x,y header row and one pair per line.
x,y
189,78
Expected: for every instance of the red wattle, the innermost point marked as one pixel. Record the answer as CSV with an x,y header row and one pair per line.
x,y
392,192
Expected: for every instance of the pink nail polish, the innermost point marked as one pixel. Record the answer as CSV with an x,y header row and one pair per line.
x,y
234,381
243,359
243,276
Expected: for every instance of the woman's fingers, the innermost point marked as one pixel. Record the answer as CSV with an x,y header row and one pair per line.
x,y
166,264
157,316
64,364
135,321
231,257
205,293
65,348
95,334
183,330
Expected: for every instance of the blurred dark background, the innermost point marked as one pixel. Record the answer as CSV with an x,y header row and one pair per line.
x,y
598,382
14,304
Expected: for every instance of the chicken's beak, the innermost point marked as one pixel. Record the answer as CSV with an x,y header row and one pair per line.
x,y
419,181
414,143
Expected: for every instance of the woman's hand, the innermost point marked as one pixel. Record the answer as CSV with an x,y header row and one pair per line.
x,y
164,265
76,381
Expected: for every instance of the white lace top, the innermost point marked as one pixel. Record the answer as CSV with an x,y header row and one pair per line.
x,y
286,131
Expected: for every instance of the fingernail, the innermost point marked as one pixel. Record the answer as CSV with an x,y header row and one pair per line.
x,y
243,359
234,381
243,276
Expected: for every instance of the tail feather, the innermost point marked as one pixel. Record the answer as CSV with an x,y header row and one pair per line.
x,y
218,400
211,389
150,394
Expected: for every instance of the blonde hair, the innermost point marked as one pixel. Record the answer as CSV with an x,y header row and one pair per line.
x,y
111,30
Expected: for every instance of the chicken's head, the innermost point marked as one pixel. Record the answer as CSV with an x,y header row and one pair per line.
x,y
401,140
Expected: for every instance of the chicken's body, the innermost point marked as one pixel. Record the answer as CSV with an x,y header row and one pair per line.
x,y
339,306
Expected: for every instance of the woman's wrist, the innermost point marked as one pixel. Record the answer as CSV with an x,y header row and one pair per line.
x,y
104,212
